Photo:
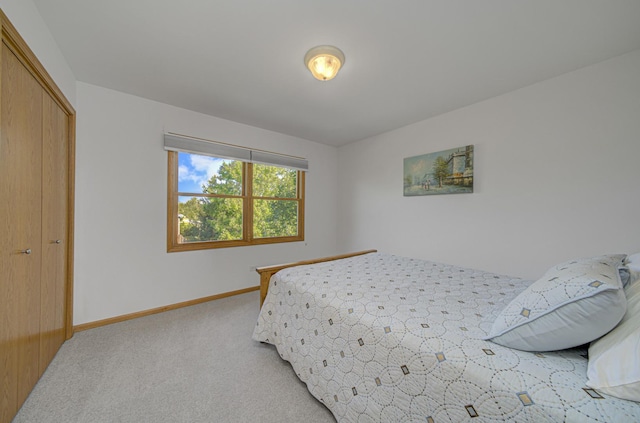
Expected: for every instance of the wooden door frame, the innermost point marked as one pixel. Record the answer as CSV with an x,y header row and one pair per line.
x,y
12,39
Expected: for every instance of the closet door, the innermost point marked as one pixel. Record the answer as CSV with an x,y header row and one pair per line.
x,y
55,168
20,225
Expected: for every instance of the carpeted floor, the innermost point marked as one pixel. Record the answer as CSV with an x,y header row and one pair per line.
x,y
195,364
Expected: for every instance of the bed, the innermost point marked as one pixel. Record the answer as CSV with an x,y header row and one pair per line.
x,y
383,338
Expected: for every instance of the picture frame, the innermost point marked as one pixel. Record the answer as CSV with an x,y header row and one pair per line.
x,y
443,172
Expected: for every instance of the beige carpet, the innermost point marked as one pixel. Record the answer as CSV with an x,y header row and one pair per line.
x,y
195,364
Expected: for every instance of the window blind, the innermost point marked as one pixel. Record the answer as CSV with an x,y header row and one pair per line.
x,y
175,142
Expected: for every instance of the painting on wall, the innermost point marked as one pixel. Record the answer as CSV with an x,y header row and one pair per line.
x,y
443,172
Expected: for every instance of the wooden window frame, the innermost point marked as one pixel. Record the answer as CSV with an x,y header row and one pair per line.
x,y
173,226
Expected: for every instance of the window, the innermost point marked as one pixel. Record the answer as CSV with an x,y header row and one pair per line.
x,y
215,202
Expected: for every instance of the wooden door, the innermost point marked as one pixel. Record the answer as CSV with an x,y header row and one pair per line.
x,y
55,190
20,225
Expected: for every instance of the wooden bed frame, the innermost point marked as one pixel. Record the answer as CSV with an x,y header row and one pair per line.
x,y
267,271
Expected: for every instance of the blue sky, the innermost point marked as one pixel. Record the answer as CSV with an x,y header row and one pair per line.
x,y
195,170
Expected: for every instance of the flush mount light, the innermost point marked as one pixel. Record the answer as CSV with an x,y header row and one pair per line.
x,y
324,62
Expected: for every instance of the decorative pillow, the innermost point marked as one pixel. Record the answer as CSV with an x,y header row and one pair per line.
x,y
634,279
625,275
614,359
572,304
633,262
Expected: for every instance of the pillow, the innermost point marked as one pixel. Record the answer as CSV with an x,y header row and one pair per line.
x,y
633,262
625,275
572,304
614,361
634,279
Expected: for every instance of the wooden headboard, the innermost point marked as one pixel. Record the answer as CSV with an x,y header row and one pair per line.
x,y
267,271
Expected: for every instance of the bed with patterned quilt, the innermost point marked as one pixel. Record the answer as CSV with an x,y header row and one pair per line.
x,y
384,338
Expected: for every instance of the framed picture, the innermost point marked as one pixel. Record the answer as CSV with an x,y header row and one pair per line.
x,y
443,172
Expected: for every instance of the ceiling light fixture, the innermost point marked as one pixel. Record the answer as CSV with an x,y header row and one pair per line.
x,y
324,62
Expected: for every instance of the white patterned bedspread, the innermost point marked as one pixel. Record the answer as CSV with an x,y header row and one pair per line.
x,y
381,338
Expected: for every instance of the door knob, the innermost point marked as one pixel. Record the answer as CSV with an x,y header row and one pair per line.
x,y
27,251
58,241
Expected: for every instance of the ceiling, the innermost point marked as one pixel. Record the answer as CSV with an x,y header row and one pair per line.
x,y
406,60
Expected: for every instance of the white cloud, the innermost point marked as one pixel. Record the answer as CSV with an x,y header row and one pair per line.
x,y
201,169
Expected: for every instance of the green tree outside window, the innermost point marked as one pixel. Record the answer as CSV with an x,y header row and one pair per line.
x,y
240,204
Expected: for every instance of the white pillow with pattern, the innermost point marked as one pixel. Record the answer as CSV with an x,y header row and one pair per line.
x,y
574,303
633,262
614,359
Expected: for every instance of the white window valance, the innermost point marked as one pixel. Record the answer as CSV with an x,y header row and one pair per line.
x,y
177,142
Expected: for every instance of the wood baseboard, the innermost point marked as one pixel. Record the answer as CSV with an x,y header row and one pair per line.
x,y
117,319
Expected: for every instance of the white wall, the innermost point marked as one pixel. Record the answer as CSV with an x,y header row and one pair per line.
x,y
24,15
557,176
121,191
